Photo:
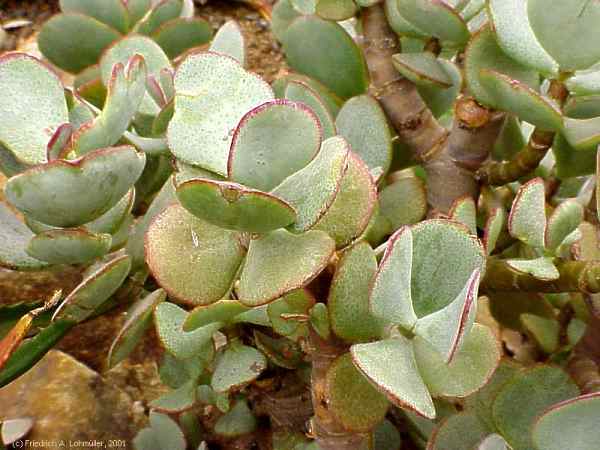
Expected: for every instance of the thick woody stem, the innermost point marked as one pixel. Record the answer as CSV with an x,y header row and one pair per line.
x,y
449,158
399,98
450,173
584,365
575,276
329,433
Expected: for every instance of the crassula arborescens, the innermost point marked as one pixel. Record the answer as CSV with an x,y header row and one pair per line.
x,y
314,250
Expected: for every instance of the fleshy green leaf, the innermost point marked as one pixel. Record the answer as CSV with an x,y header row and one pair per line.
x,y
319,320
493,227
348,301
14,237
464,211
364,125
282,352
567,30
585,82
271,142
179,400
138,9
32,107
70,193
350,213
222,311
194,261
571,424
480,403
403,386
541,268
111,12
523,398
459,431
446,329
440,101
563,221
582,134
312,190
135,243
280,262
139,319
444,257
94,290
435,18
56,41
519,99
163,433
233,206
229,41
493,442
70,246
336,10
237,366
515,36
545,331
125,91
298,91
124,49
181,34
386,437
202,128
404,201
110,222
331,100
323,50
283,15
399,23
483,52
582,107
571,162
470,369
169,319
162,12
59,141
422,69
390,297
351,398
237,422
527,218
296,302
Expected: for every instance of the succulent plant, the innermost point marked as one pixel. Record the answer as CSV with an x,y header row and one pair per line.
x,y
315,250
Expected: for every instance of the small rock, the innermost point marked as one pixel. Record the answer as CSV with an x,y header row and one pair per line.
x,y
68,401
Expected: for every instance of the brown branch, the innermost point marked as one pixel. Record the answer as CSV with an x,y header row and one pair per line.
x,y
529,157
524,162
575,276
584,365
329,433
449,158
399,98
263,7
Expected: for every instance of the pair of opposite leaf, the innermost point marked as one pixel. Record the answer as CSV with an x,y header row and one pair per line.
x,y
261,166
548,237
521,408
74,189
425,290
100,23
